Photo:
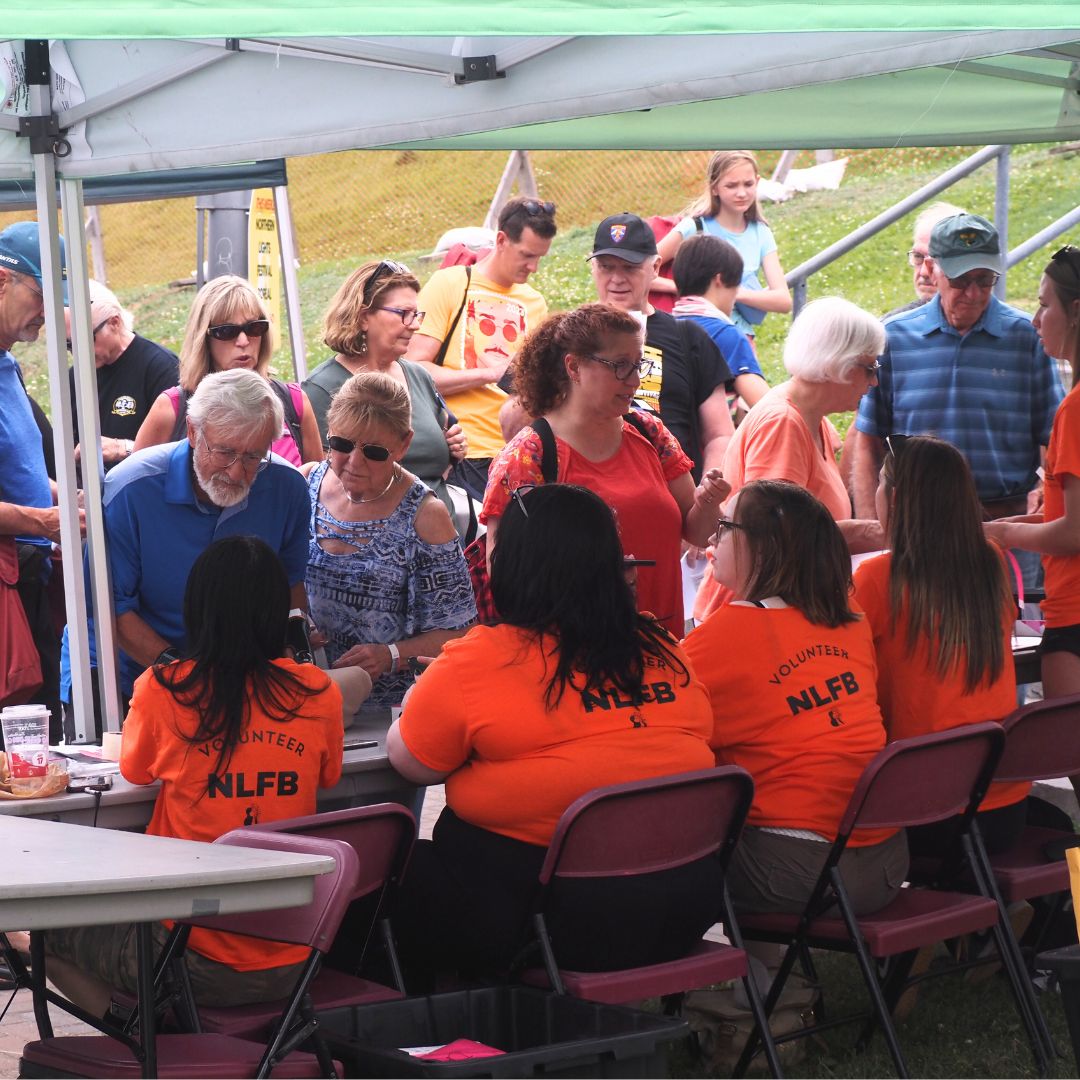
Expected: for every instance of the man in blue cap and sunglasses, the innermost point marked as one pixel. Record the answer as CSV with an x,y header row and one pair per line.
x,y
27,512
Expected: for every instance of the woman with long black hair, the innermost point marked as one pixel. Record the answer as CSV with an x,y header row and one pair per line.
x,y
942,612
238,734
573,690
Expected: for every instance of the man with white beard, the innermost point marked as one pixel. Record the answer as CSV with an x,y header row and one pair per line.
x,y
166,504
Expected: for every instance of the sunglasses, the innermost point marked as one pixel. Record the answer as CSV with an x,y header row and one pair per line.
x,y
230,331
386,268
518,495
534,208
93,333
372,451
895,443
983,281
1070,257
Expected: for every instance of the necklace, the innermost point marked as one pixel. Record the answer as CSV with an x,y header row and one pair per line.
x,y
374,498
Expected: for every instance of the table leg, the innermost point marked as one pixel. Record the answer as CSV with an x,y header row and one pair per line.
x,y
147,1011
37,984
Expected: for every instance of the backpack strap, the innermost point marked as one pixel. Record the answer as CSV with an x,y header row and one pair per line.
x,y
292,416
440,356
549,454
699,224
180,427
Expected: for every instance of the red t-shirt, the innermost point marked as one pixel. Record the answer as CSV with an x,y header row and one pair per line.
x,y
273,773
914,699
1062,604
795,705
634,483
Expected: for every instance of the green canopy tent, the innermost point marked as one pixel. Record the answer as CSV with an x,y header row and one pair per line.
x,y
131,86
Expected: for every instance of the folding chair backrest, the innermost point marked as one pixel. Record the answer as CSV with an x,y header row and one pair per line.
x,y
1042,740
314,924
924,779
650,825
381,835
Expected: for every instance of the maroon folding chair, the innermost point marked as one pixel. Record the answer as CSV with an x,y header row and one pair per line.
x,y
913,781
642,828
215,1055
1042,742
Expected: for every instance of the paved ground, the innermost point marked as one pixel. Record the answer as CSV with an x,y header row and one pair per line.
x,y
18,1027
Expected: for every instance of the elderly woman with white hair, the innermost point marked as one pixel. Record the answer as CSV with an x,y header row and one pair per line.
x,y
831,355
131,373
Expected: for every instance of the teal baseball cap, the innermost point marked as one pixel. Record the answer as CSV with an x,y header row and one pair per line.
x,y
20,250
966,242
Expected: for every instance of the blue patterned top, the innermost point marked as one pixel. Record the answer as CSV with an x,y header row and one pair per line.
x,y
391,587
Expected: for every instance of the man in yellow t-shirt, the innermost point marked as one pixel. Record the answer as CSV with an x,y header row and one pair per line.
x,y
483,317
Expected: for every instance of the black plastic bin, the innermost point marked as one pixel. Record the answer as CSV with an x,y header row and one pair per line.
x,y
542,1034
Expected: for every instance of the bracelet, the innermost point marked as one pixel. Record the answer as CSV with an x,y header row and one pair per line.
x,y
129,446
395,658
167,656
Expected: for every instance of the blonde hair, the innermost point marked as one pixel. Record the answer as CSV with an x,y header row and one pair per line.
x,y
225,299
104,305
708,203
370,398
341,324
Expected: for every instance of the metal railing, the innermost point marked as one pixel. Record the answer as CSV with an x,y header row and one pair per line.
x,y
799,277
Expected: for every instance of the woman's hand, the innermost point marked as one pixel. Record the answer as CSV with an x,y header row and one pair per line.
x,y
998,531
713,489
374,659
456,443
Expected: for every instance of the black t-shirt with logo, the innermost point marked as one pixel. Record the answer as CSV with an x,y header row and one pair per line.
x,y
687,368
129,386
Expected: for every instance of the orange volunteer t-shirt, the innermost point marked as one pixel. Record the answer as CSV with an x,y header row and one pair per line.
x,y
634,483
273,773
774,443
478,714
1062,604
795,705
914,699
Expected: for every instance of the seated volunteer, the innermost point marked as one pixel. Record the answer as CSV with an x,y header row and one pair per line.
x,y
579,373
941,610
791,673
235,707
571,691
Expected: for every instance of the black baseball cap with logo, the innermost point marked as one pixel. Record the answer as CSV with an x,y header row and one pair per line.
x,y
625,236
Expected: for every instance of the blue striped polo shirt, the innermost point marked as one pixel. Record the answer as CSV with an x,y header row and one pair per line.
x,y
991,392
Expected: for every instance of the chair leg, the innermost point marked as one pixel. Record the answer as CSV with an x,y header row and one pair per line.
x,y
891,990
869,972
758,1033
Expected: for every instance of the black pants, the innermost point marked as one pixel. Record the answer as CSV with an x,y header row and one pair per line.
x,y
467,897
1000,828
34,569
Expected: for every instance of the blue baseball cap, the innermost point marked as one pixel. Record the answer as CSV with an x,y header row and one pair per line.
x,y
20,250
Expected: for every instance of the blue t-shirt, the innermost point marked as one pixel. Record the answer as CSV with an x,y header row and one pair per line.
x,y
23,478
991,392
732,343
753,244
156,529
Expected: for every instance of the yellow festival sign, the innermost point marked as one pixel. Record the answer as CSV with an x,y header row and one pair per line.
x,y
264,253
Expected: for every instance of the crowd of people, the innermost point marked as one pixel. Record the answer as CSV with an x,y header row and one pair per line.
x,y
601,448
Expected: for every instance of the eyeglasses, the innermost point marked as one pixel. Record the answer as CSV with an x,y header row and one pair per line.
x,y
622,369
407,315
93,333
387,268
982,282
25,283
372,451
518,495
871,369
223,457
1070,257
895,443
917,258
230,331
727,525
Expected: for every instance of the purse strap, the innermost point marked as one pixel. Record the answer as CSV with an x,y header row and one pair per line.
x,y
440,356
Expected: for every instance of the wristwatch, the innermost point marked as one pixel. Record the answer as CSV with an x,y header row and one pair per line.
x,y
167,656
395,658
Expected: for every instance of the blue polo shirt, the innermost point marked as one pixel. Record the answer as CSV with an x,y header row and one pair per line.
x,y
991,392
23,478
156,529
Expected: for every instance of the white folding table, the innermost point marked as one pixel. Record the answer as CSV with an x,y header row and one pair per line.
x,y
61,875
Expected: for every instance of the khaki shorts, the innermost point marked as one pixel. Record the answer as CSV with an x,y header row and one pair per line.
x,y
109,953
